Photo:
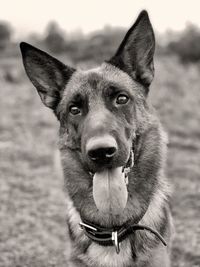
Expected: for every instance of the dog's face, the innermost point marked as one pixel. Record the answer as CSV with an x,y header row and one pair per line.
x,y
97,113
100,110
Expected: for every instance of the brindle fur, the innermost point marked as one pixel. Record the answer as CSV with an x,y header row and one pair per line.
x,y
130,71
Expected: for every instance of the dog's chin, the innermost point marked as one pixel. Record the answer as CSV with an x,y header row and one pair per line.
x,y
108,220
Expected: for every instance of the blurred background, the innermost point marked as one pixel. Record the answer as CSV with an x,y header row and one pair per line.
x,y
83,34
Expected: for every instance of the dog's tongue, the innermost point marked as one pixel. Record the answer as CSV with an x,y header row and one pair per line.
x,y
110,191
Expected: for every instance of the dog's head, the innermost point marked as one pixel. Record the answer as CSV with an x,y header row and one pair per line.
x,y
102,109
96,108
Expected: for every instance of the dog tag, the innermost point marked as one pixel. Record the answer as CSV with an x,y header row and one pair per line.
x,y
110,191
115,241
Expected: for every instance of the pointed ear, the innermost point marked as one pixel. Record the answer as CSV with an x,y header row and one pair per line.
x,y
47,74
135,54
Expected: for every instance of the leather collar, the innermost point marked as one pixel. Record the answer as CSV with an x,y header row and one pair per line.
x,y
114,236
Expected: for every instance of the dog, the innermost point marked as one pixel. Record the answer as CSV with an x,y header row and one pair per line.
x,y
113,152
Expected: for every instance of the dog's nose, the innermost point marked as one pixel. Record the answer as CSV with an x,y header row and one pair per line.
x,y
102,153
101,149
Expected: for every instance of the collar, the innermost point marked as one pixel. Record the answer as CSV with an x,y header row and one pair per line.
x,y
114,236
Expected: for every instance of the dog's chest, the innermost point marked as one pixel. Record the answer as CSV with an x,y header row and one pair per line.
x,y
99,256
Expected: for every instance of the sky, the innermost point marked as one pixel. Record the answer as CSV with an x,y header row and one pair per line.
x,y
27,16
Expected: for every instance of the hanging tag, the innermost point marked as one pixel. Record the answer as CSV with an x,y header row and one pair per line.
x,y
132,159
115,241
126,178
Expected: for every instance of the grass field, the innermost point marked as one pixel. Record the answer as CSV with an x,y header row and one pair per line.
x,y
32,203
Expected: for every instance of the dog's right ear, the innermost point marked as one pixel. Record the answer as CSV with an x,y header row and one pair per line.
x,y
47,74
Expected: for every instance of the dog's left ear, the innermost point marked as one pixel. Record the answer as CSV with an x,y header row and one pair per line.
x,y
135,54
47,74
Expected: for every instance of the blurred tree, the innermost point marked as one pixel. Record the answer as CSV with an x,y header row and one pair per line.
x,y
5,34
99,45
187,47
55,38
34,38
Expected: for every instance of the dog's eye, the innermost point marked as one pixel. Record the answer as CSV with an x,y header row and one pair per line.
x,y
74,110
122,99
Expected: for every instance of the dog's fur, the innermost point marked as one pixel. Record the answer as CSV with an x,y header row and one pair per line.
x,y
85,103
